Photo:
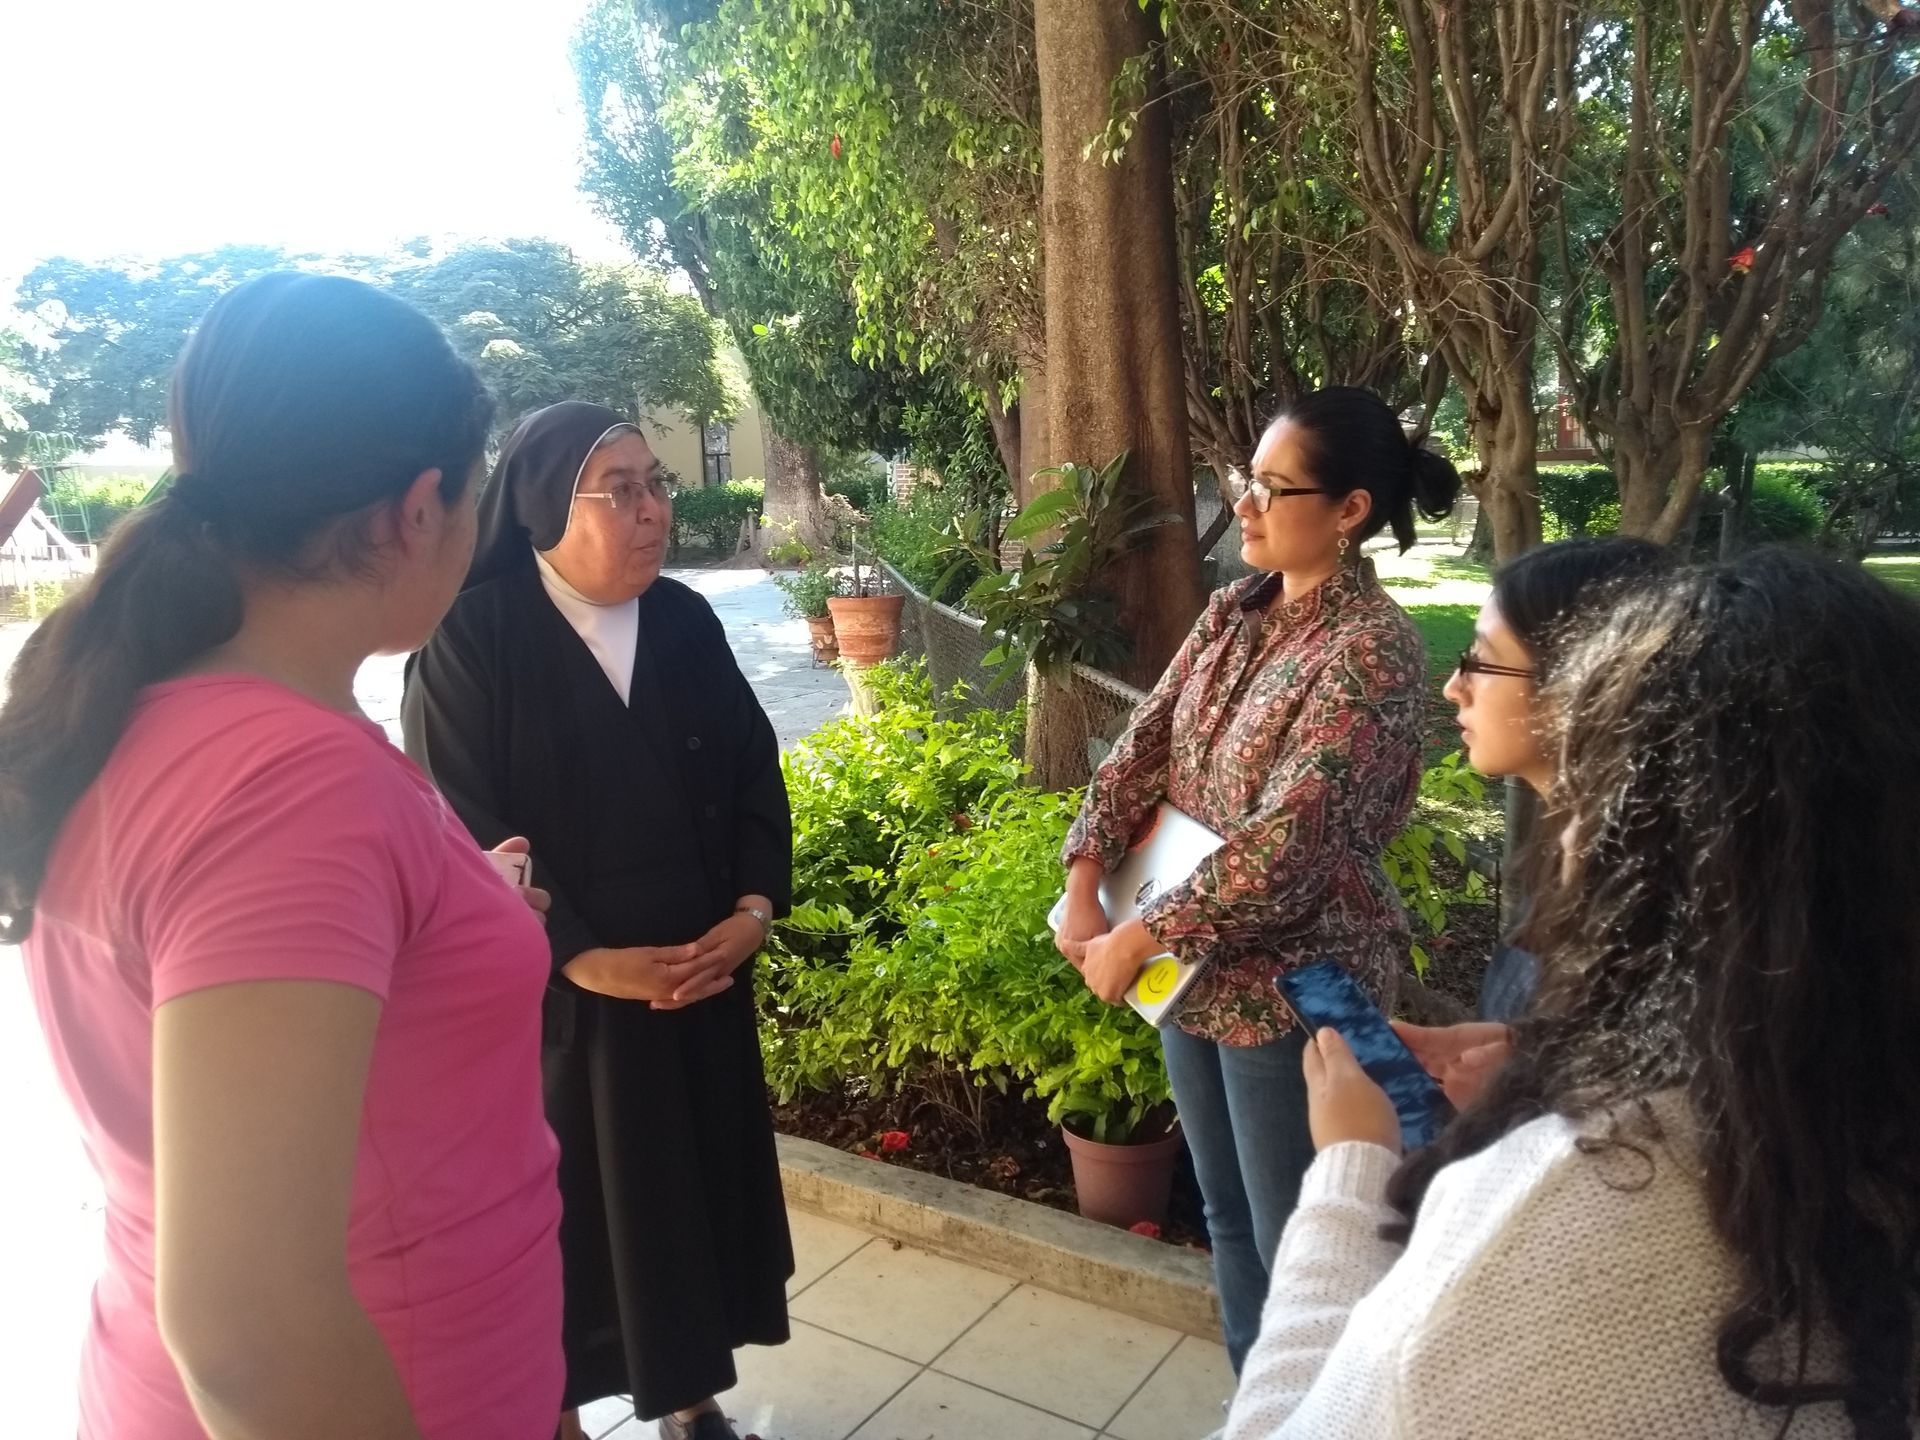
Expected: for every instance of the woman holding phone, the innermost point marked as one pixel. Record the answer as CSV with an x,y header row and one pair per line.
x,y
1290,724
1540,603
1689,1204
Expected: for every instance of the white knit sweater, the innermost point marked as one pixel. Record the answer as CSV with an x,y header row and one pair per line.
x,y
1538,1298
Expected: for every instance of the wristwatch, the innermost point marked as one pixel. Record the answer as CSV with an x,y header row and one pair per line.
x,y
765,917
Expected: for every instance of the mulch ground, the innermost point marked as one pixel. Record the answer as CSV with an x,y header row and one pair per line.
x,y
1005,1145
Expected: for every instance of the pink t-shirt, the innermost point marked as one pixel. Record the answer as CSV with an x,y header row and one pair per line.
x,y
242,832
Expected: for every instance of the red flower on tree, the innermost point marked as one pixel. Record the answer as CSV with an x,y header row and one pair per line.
x,y
1879,207
835,147
1741,261
892,1142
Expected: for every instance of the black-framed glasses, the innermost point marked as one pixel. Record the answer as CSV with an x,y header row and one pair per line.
x,y
1263,494
628,493
1472,664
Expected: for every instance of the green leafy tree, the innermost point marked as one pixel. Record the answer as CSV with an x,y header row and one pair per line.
x,y
664,140
541,326
114,332
1727,152
1852,392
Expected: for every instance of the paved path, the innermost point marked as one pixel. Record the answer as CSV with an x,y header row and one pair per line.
x,y
773,652
891,1343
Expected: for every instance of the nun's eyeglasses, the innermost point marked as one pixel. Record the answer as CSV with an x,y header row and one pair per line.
x,y
627,494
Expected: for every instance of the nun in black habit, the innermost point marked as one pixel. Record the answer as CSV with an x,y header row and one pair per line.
x,y
575,696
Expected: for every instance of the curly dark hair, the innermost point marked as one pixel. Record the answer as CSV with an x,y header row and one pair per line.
x,y
1734,916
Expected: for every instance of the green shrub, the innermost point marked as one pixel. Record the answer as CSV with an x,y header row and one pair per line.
x,y
1443,817
865,490
808,590
920,539
87,507
1578,500
924,869
969,981
710,516
1783,506
923,872
866,789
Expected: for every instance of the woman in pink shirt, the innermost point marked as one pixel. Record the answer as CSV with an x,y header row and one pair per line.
x,y
296,1009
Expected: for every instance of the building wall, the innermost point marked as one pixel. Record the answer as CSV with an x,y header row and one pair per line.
x,y
676,440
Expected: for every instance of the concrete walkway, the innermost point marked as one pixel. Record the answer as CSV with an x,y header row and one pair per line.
x,y
891,1343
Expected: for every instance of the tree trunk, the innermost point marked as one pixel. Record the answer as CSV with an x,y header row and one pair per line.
x,y
794,496
1660,475
1035,432
1058,728
1116,373
1007,424
1505,438
1739,491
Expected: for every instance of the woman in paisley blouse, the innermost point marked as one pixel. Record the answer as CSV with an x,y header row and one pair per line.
x,y
1290,723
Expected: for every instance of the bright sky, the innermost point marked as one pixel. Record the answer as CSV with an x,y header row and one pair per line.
x,y
134,128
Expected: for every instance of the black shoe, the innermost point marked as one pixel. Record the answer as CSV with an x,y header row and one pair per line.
x,y
707,1425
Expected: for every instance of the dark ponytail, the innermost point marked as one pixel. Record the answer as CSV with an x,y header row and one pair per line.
x,y
1357,443
301,401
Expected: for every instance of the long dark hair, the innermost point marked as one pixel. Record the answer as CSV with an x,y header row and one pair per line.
x,y
1355,442
1736,918
1548,595
300,401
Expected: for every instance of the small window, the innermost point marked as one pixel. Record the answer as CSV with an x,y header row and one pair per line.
x,y
716,456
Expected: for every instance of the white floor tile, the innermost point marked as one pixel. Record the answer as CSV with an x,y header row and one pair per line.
x,y
1182,1400
815,1387
904,1301
603,1417
818,1245
1073,1358
937,1407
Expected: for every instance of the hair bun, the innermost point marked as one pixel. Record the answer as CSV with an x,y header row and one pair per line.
x,y
1436,483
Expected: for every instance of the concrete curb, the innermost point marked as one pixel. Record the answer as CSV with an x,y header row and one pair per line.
x,y
1016,1238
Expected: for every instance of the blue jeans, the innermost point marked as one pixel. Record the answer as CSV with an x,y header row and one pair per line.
x,y
1244,1110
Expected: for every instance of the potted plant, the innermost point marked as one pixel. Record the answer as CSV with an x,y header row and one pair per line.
x,y
1123,1160
866,621
808,592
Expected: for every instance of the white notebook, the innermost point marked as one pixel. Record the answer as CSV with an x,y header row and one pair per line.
x,y
1167,852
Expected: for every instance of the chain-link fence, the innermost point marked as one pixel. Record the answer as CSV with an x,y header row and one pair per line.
x,y
1094,709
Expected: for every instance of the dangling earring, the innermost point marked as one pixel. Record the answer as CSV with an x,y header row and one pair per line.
x,y
1345,545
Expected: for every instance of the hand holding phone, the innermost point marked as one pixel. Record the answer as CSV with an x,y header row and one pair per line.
x,y
1343,1102
1323,995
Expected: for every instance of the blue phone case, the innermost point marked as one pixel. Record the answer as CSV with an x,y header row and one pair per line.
x,y
1323,994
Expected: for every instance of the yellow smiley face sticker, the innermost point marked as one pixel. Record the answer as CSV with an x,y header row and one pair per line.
x,y
1157,980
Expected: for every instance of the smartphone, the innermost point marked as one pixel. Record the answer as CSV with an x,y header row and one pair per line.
x,y
1322,994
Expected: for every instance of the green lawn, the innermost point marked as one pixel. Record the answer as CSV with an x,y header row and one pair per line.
x,y
1443,593
1900,570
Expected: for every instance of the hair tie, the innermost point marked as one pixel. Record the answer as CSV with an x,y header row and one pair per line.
x,y
190,493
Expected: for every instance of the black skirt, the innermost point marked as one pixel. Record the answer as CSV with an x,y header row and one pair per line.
x,y
674,1238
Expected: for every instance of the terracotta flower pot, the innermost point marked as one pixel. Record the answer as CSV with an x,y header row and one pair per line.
x,y
867,627
826,648
1124,1184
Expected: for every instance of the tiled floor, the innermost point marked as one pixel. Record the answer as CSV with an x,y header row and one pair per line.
x,y
891,1343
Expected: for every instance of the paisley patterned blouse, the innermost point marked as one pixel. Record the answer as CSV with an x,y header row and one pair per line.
x,y
1295,734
